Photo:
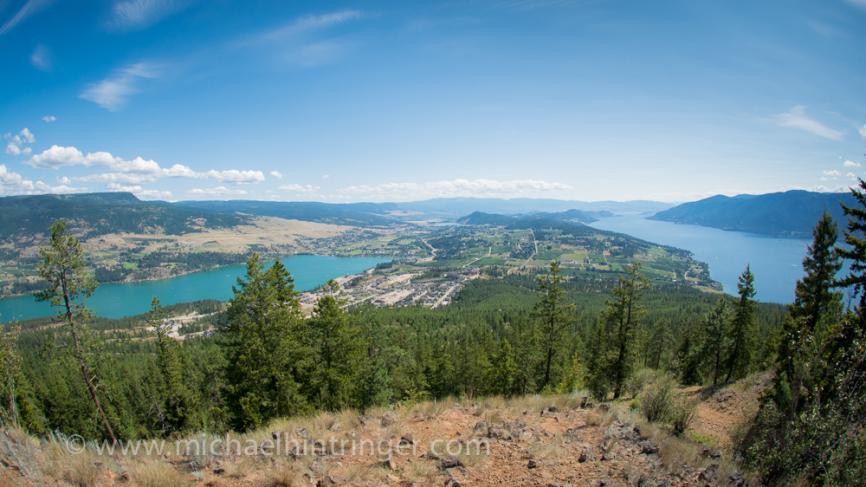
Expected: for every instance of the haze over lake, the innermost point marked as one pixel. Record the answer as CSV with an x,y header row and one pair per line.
x,y
776,262
126,299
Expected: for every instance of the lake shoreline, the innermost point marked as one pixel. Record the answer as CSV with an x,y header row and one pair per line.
x,y
118,300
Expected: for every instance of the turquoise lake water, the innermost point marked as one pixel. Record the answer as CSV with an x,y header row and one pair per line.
x,y
119,300
776,262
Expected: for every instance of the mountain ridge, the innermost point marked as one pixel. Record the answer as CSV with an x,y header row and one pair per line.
x,y
787,214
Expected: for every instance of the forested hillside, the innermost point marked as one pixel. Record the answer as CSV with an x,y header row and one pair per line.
x,y
92,214
788,214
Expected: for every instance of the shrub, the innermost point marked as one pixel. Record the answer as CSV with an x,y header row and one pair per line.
x,y
682,412
656,399
640,379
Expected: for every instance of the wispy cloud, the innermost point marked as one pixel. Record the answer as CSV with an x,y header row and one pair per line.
x,y
797,118
850,163
49,119
29,8
862,130
113,92
218,191
452,188
858,3
139,14
299,188
41,58
302,25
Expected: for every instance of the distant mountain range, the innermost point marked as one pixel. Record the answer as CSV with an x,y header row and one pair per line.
x,y
100,213
791,214
574,216
449,209
788,214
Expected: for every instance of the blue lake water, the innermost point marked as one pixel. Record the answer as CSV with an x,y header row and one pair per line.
x,y
119,300
776,262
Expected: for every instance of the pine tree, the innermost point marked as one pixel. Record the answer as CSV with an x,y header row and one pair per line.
x,y
176,397
504,371
739,356
816,306
64,269
262,351
335,344
855,253
623,316
554,316
598,379
17,405
715,334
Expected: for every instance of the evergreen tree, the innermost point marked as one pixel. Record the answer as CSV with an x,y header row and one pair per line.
x,y
374,383
335,345
739,356
504,372
715,335
623,316
689,359
598,379
263,355
64,269
18,407
176,398
855,252
816,306
554,315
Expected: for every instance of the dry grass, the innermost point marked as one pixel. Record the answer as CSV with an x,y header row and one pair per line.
x,y
552,440
157,474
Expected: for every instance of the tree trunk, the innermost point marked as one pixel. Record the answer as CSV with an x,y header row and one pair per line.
x,y
82,364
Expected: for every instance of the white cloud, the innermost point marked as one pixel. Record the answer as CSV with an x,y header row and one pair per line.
x,y
850,163
41,58
452,188
57,156
139,191
113,92
797,118
49,119
236,176
218,191
18,143
862,130
832,173
299,188
132,171
12,183
277,174
138,14
29,8
851,175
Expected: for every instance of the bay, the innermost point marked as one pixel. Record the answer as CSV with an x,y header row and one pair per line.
x,y
117,300
776,262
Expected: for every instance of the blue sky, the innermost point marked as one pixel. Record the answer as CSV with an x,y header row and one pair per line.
x,y
374,101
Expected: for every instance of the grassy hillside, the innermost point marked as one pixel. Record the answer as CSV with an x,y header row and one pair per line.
x,y
530,441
